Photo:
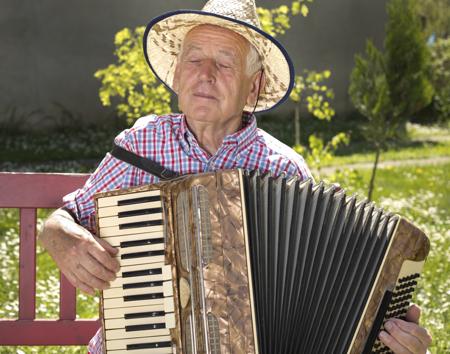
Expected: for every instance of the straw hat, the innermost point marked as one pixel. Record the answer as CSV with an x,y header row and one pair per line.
x,y
164,36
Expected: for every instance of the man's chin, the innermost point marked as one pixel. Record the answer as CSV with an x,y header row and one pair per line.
x,y
202,113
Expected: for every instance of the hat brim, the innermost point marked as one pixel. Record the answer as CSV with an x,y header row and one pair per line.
x,y
164,36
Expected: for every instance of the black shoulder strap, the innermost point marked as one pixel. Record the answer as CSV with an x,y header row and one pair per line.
x,y
147,165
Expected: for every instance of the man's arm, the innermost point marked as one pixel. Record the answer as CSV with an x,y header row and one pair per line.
x,y
86,260
406,336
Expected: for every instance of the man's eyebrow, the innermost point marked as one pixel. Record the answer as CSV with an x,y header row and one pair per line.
x,y
228,53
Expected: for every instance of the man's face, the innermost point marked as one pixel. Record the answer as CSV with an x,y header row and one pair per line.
x,y
211,79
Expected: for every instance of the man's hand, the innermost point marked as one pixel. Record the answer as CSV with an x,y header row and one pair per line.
x,y
406,336
87,261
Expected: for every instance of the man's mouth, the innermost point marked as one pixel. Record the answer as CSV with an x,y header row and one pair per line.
x,y
204,95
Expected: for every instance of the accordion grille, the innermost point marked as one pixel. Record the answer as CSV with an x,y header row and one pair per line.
x,y
202,215
214,334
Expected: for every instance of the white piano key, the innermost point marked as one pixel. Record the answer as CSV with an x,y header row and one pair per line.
x,y
115,220
115,231
122,344
116,240
142,260
168,319
115,210
113,200
122,311
142,248
166,289
167,302
121,333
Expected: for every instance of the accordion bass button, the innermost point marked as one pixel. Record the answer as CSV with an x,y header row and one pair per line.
x,y
185,292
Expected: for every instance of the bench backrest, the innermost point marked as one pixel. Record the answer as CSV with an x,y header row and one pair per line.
x,y
29,191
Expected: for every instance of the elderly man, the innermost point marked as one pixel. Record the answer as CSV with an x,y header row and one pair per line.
x,y
223,68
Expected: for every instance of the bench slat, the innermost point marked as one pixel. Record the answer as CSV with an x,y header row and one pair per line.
x,y
37,190
47,332
27,261
67,299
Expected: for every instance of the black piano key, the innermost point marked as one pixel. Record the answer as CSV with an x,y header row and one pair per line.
x,y
149,345
154,198
147,284
125,214
133,225
129,316
144,327
143,297
141,242
140,273
142,254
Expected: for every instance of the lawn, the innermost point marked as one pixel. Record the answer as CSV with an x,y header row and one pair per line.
x,y
417,193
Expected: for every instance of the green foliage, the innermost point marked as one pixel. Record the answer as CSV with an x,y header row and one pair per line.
x,y
435,17
276,21
440,74
319,95
131,81
318,153
406,60
369,92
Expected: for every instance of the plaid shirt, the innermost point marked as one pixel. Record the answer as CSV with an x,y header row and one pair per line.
x,y
167,140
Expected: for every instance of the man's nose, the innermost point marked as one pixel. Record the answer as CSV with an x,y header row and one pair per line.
x,y
208,70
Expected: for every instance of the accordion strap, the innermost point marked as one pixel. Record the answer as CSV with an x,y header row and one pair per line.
x,y
142,163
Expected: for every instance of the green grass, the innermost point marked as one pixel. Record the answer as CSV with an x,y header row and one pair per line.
x,y
420,150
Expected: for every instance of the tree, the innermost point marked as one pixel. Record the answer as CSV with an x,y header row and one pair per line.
x,y
435,17
317,102
440,77
130,81
388,87
406,57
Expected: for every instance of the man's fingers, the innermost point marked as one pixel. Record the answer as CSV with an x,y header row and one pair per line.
x,y
102,254
392,343
79,284
111,250
405,337
86,277
414,330
413,314
97,268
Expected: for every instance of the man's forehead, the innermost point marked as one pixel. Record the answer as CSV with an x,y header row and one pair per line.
x,y
229,42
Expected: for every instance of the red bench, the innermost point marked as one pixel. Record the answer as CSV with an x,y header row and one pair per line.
x,y
29,191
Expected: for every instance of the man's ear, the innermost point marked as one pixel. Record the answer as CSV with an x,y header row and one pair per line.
x,y
258,81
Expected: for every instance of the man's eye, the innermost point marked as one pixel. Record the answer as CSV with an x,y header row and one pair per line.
x,y
224,66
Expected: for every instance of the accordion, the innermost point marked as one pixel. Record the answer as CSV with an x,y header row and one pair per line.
x,y
242,262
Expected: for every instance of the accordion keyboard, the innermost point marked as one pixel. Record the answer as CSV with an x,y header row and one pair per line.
x,y
139,306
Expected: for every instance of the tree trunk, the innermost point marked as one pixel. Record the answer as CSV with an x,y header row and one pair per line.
x,y
297,125
374,170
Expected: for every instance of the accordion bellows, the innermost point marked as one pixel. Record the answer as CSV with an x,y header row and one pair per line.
x,y
253,264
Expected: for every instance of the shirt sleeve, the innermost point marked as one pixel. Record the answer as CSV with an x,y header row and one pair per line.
x,y
95,345
110,174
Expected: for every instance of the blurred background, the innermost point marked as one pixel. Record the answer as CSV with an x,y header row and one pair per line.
x,y
370,111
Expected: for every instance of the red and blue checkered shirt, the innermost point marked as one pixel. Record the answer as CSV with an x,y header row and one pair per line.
x,y
167,140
